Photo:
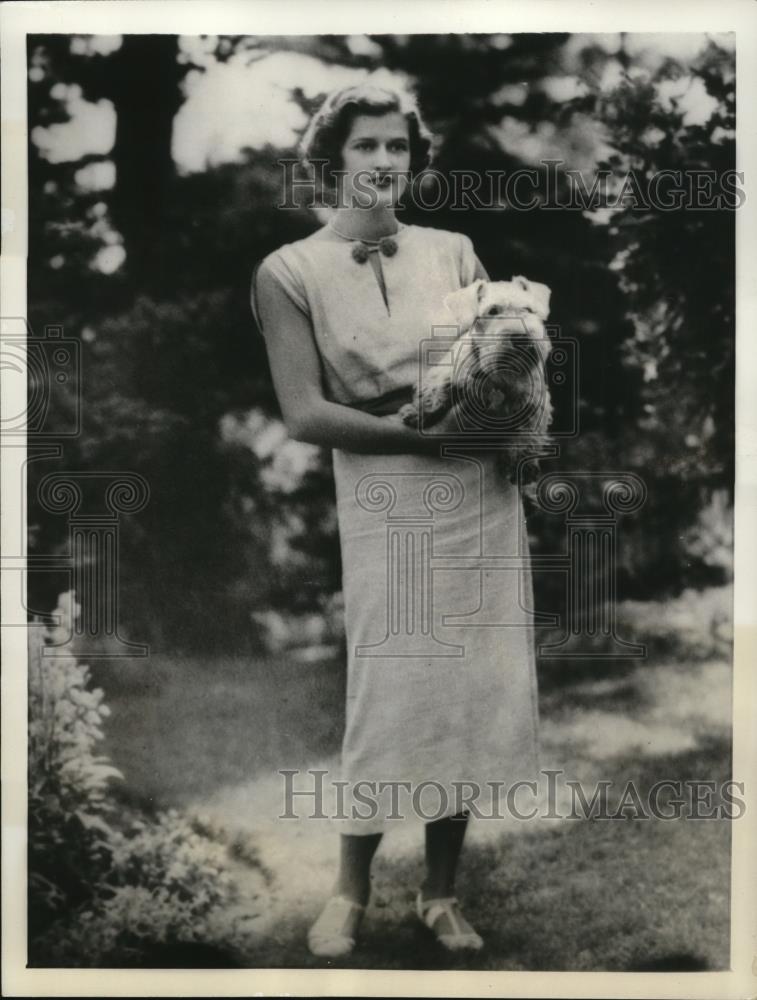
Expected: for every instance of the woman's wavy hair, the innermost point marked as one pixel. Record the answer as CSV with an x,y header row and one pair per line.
x,y
329,127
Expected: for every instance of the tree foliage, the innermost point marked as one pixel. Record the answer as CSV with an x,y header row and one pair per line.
x,y
173,366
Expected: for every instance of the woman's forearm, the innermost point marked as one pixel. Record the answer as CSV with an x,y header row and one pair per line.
x,y
334,425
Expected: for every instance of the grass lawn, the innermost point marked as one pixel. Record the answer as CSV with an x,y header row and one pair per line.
x,y
546,895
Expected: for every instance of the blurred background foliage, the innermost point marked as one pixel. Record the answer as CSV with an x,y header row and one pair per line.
x,y
154,183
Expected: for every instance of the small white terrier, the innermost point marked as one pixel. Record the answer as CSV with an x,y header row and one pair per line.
x,y
494,373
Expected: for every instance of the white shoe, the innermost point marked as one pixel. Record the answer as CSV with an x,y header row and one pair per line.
x,y
458,939
333,933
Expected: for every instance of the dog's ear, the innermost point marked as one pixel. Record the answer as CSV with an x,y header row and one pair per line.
x,y
541,294
538,293
544,345
465,303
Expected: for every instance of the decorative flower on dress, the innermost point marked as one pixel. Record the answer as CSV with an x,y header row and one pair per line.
x,y
388,246
360,253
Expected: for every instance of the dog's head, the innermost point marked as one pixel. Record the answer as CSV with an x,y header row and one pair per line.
x,y
502,311
491,298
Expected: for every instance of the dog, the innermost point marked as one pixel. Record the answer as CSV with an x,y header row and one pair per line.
x,y
494,373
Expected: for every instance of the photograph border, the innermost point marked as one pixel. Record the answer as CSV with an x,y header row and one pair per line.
x,y
298,17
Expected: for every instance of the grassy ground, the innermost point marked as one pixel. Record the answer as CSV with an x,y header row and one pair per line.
x,y
546,895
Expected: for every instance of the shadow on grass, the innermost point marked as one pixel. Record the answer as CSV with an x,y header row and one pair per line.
x,y
182,727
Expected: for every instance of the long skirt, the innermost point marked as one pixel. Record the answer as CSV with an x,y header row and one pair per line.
x,y
441,709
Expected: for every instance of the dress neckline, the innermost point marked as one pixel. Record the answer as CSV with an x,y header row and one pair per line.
x,y
402,227
376,269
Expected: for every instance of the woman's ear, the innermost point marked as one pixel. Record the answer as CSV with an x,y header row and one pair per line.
x,y
465,303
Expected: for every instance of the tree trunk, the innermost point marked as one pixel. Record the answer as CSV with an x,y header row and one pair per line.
x,y
146,95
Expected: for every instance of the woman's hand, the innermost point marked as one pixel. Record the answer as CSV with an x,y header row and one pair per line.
x,y
449,426
448,430
451,430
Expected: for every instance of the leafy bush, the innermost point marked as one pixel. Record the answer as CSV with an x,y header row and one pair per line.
x,y
107,888
169,885
69,839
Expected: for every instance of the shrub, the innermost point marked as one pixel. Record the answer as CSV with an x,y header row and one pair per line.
x,y
107,888
169,886
68,835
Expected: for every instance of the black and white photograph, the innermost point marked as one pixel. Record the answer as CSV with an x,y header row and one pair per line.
x,y
373,480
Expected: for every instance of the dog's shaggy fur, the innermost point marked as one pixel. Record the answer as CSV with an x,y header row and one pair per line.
x,y
494,373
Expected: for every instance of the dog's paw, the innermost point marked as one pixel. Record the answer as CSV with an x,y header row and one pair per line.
x,y
434,399
408,414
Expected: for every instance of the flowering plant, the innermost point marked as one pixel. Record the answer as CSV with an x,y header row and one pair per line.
x,y
106,886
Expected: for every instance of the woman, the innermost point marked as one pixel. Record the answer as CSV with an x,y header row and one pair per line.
x,y
439,695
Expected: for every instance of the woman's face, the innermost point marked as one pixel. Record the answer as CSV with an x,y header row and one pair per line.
x,y
376,161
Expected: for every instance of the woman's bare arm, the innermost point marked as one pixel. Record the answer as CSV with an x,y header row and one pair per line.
x,y
480,272
296,372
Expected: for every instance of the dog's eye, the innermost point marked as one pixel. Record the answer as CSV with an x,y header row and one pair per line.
x,y
492,311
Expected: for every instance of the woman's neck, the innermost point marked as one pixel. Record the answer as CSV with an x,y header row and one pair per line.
x,y
365,223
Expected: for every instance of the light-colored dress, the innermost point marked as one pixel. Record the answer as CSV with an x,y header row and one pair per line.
x,y
441,682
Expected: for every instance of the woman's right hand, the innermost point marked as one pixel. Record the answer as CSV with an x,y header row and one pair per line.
x,y
450,425
430,438
453,429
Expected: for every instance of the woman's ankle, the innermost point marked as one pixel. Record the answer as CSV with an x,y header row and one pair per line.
x,y
358,892
436,888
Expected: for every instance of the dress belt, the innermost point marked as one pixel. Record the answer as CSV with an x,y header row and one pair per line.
x,y
389,402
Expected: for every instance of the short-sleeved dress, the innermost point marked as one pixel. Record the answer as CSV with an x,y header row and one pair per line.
x,y
441,683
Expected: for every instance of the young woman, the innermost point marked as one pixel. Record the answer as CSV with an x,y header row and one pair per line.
x,y
438,695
